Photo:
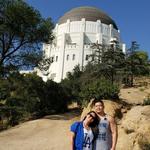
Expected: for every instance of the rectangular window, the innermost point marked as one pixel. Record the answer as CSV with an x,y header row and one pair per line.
x,y
52,59
87,57
67,57
73,57
56,58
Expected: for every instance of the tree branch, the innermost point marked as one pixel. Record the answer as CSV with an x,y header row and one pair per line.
x,y
15,49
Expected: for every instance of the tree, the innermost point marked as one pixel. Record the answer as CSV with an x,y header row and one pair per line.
x,y
98,51
26,96
54,99
108,60
142,65
134,47
71,84
22,30
100,89
137,63
113,62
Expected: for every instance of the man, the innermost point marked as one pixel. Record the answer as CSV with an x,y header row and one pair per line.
x,y
107,137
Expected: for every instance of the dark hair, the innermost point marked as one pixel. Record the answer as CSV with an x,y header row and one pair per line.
x,y
94,124
95,121
96,101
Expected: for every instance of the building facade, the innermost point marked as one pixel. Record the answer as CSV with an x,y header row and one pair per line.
x,y
74,34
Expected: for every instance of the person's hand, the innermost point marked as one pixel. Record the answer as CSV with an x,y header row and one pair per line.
x,y
112,149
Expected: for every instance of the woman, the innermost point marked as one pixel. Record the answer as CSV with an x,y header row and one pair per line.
x,y
84,133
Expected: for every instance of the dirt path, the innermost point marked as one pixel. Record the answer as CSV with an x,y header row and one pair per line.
x,y
49,133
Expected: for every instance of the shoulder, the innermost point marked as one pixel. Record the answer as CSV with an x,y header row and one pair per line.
x,y
74,126
76,123
111,119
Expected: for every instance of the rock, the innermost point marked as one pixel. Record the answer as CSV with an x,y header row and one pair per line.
x,y
134,129
87,109
111,108
123,110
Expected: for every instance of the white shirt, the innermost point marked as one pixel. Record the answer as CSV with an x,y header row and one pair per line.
x,y
88,138
103,141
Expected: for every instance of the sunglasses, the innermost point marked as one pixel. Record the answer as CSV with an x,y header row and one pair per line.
x,y
91,116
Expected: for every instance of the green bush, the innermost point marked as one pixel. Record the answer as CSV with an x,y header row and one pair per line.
x,y
146,101
11,116
28,96
54,99
16,115
99,89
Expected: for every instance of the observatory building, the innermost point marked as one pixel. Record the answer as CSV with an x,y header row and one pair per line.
x,y
74,34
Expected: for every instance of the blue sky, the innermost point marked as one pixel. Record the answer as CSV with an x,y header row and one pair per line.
x,y
131,16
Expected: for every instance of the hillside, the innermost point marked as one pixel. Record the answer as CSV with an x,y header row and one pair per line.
x,y
49,133
52,132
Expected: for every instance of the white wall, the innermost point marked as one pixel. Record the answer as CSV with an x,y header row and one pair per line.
x,y
75,38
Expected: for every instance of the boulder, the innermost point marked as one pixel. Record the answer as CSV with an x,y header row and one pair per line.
x,y
111,108
134,129
87,109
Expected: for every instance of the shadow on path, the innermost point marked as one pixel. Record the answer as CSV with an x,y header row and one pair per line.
x,y
72,113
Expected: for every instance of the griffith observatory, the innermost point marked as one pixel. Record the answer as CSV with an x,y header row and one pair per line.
x,y
74,33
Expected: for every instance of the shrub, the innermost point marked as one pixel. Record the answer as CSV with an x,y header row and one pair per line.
x,y
54,99
100,89
29,96
11,116
146,101
141,89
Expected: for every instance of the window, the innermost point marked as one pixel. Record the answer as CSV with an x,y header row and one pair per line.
x,y
67,57
52,59
56,58
73,57
87,57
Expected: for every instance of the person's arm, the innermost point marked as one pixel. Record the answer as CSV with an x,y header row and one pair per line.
x,y
114,131
73,132
72,140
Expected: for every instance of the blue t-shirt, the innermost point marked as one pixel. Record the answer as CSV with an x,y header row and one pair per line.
x,y
77,128
83,138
